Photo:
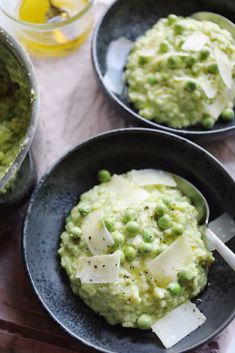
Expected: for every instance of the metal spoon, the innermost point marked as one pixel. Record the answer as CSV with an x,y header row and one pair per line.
x,y
55,13
220,20
202,207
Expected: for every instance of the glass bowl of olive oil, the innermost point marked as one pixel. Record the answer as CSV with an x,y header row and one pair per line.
x,y
49,27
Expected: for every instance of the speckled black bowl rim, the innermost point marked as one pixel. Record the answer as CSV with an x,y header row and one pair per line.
x,y
40,186
140,120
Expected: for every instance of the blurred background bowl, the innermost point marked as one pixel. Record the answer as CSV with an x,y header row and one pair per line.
x,y
126,18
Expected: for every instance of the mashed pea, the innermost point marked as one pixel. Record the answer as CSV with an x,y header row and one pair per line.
x,y
14,109
136,299
181,73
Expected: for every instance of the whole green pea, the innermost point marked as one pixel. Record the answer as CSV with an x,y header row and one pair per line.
x,y
227,115
109,224
172,18
178,28
213,69
132,228
148,235
190,86
207,122
130,253
177,229
152,80
118,238
172,62
204,53
144,322
104,176
164,47
146,248
175,288
164,222
185,276
160,209
129,215
142,60
84,210
190,60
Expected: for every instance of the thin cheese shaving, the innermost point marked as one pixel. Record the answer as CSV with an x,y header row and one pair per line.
x,y
178,323
208,88
225,67
126,191
113,81
166,266
222,102
146,177
117,53
99,269
95,233
195,42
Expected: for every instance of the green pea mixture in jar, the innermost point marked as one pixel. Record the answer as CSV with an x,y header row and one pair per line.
x,y
132,248
14,108
181,73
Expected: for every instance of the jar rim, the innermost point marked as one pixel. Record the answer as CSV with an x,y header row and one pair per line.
x,y
47,26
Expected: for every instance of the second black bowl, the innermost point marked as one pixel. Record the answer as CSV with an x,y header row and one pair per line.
x,y
131,19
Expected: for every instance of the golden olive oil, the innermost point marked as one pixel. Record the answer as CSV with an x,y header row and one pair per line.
x,y
55,41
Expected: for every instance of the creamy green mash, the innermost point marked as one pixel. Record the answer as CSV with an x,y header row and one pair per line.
x,y
142,229
14,108
181,73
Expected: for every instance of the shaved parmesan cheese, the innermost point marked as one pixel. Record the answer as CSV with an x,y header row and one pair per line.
x,y
222,102
115,62
99,269
225,67
113,81
208,88
126,191
117,53
96,234
166,266
178,323
195,42
146,177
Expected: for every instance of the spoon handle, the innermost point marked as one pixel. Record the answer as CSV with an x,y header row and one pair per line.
x,y
222,249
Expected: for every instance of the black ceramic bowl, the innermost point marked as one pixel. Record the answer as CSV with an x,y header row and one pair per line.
x,y
59,190
129,19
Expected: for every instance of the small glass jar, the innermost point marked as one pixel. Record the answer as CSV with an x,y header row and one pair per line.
x,y
50,39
